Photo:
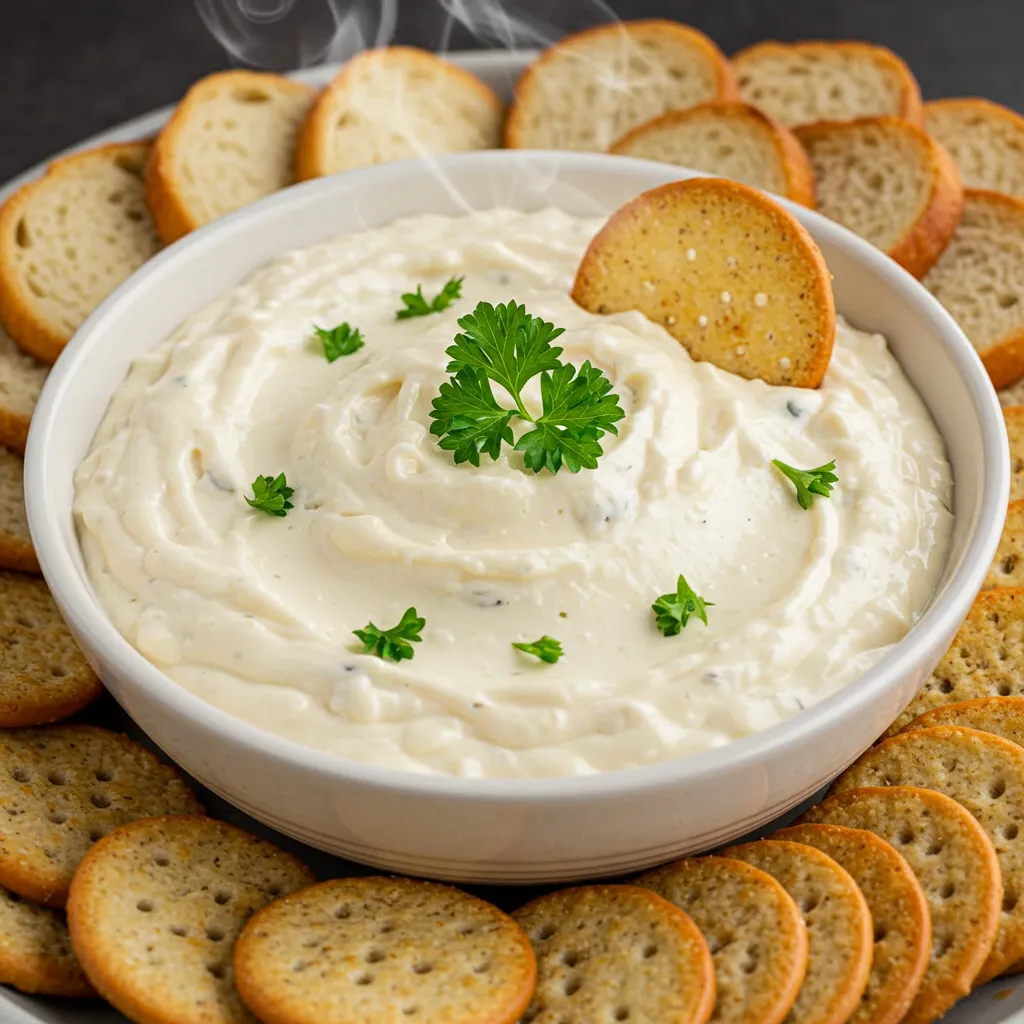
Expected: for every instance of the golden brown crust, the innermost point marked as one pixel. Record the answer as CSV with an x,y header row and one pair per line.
x,y
791,156
13,428
1001,716
525,85
170,213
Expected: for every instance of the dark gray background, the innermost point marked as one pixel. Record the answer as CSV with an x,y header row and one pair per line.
x,y
69,68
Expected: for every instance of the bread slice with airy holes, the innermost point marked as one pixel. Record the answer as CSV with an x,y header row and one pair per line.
x,y
888,181
729,273
985,139
980,280
230,141
21,379
730,140
16,551
800,83
68,239
396,103
592,87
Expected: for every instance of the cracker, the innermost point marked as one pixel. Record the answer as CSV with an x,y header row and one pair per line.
x,y
155,909
728,272
21,380
35,950
44,677
65,786
384,950
615,953
1007,569
753,928
957,867
899,914
16,551
983,773
1001,716
839,932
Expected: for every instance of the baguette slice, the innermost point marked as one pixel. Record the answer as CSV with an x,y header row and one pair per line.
x,y
980,280
230,141
16,551
21,380
890,182
592,87
730,140
800,83
985,139
393,104
68,239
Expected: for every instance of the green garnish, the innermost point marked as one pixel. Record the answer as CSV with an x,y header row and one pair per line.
x,y
339,341
809,482
417,305
673,611
270,494
546,648
507,345
393,644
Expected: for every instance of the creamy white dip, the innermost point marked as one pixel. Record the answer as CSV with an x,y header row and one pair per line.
x,y
255,613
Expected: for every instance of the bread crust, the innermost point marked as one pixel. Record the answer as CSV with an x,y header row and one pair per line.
x,y
312,150
791,156
167,206
527,81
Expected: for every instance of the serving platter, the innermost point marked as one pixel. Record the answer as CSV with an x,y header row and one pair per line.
x,y
1000,1001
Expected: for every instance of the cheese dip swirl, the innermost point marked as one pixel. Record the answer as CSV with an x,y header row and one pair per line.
x,y
255,613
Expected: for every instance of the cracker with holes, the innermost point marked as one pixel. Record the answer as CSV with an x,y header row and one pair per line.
x,y
16,551
753,928
839,931
953,859
1014,419
615,953
63,787
44,677
899,915
384,950
983,773
155,909
1001,716
1007,569
727,271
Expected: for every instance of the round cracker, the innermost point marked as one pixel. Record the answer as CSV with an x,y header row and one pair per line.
x,y
1001,716
899,914
983,773
44,677
155,909
387,950
753,928
35,950
957,867
615,953
729,273
839,932
62,787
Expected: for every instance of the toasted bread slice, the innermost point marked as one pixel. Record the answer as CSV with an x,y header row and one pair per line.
x,y
68,239
393,104
800,83
985,139
21,380
230,141
16,551
890,182
1014,419
592,87
730,140
980,280
729,273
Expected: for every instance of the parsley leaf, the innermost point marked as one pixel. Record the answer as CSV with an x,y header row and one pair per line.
x,y
546,648
393,644
339,341
673,611
270,494
809,482
417,305
509,346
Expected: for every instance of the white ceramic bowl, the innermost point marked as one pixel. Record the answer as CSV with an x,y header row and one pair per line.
x,y
503,830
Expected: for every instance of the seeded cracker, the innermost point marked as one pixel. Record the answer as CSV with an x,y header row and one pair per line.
x,y
16,551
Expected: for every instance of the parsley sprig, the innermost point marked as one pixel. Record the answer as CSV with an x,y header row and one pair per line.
x,y
394,644
339,341
809,482
270,494
417,305
509,346
672,611
546,648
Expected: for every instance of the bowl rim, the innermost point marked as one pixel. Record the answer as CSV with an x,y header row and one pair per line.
x,y
88,619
